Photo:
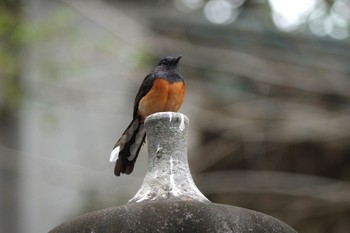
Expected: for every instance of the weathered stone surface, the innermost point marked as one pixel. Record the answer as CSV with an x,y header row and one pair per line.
x,y
168,172
168,200
175,215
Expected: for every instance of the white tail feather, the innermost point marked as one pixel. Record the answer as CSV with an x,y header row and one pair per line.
x,y
124,139
114,154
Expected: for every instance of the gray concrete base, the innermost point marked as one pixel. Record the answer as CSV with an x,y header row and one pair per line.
x,y
168,200
175,215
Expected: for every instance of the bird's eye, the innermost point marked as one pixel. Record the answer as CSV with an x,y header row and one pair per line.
x,y
164,62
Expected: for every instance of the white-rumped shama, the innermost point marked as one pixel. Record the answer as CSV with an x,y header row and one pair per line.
x,y
162,90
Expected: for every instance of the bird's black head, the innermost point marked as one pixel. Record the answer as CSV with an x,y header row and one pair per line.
x,y
168,63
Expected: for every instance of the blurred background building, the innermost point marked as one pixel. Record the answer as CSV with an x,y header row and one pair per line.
x,y
267,94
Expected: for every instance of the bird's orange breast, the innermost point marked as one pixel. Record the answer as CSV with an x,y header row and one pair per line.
x,y
162,97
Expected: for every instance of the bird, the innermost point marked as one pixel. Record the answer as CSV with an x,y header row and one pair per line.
x,y
162,90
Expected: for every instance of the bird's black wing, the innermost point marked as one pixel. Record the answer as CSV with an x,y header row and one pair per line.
x,y
144,89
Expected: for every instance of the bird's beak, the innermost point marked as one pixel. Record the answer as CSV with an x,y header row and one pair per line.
x,y
177,59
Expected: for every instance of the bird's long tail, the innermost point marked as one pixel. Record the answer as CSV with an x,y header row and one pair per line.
x,y
126,150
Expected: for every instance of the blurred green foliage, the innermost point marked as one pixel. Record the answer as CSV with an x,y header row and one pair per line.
x,y
15,33
9,55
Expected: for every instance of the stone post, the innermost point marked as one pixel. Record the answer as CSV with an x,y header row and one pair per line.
x,y
168,200
168,173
